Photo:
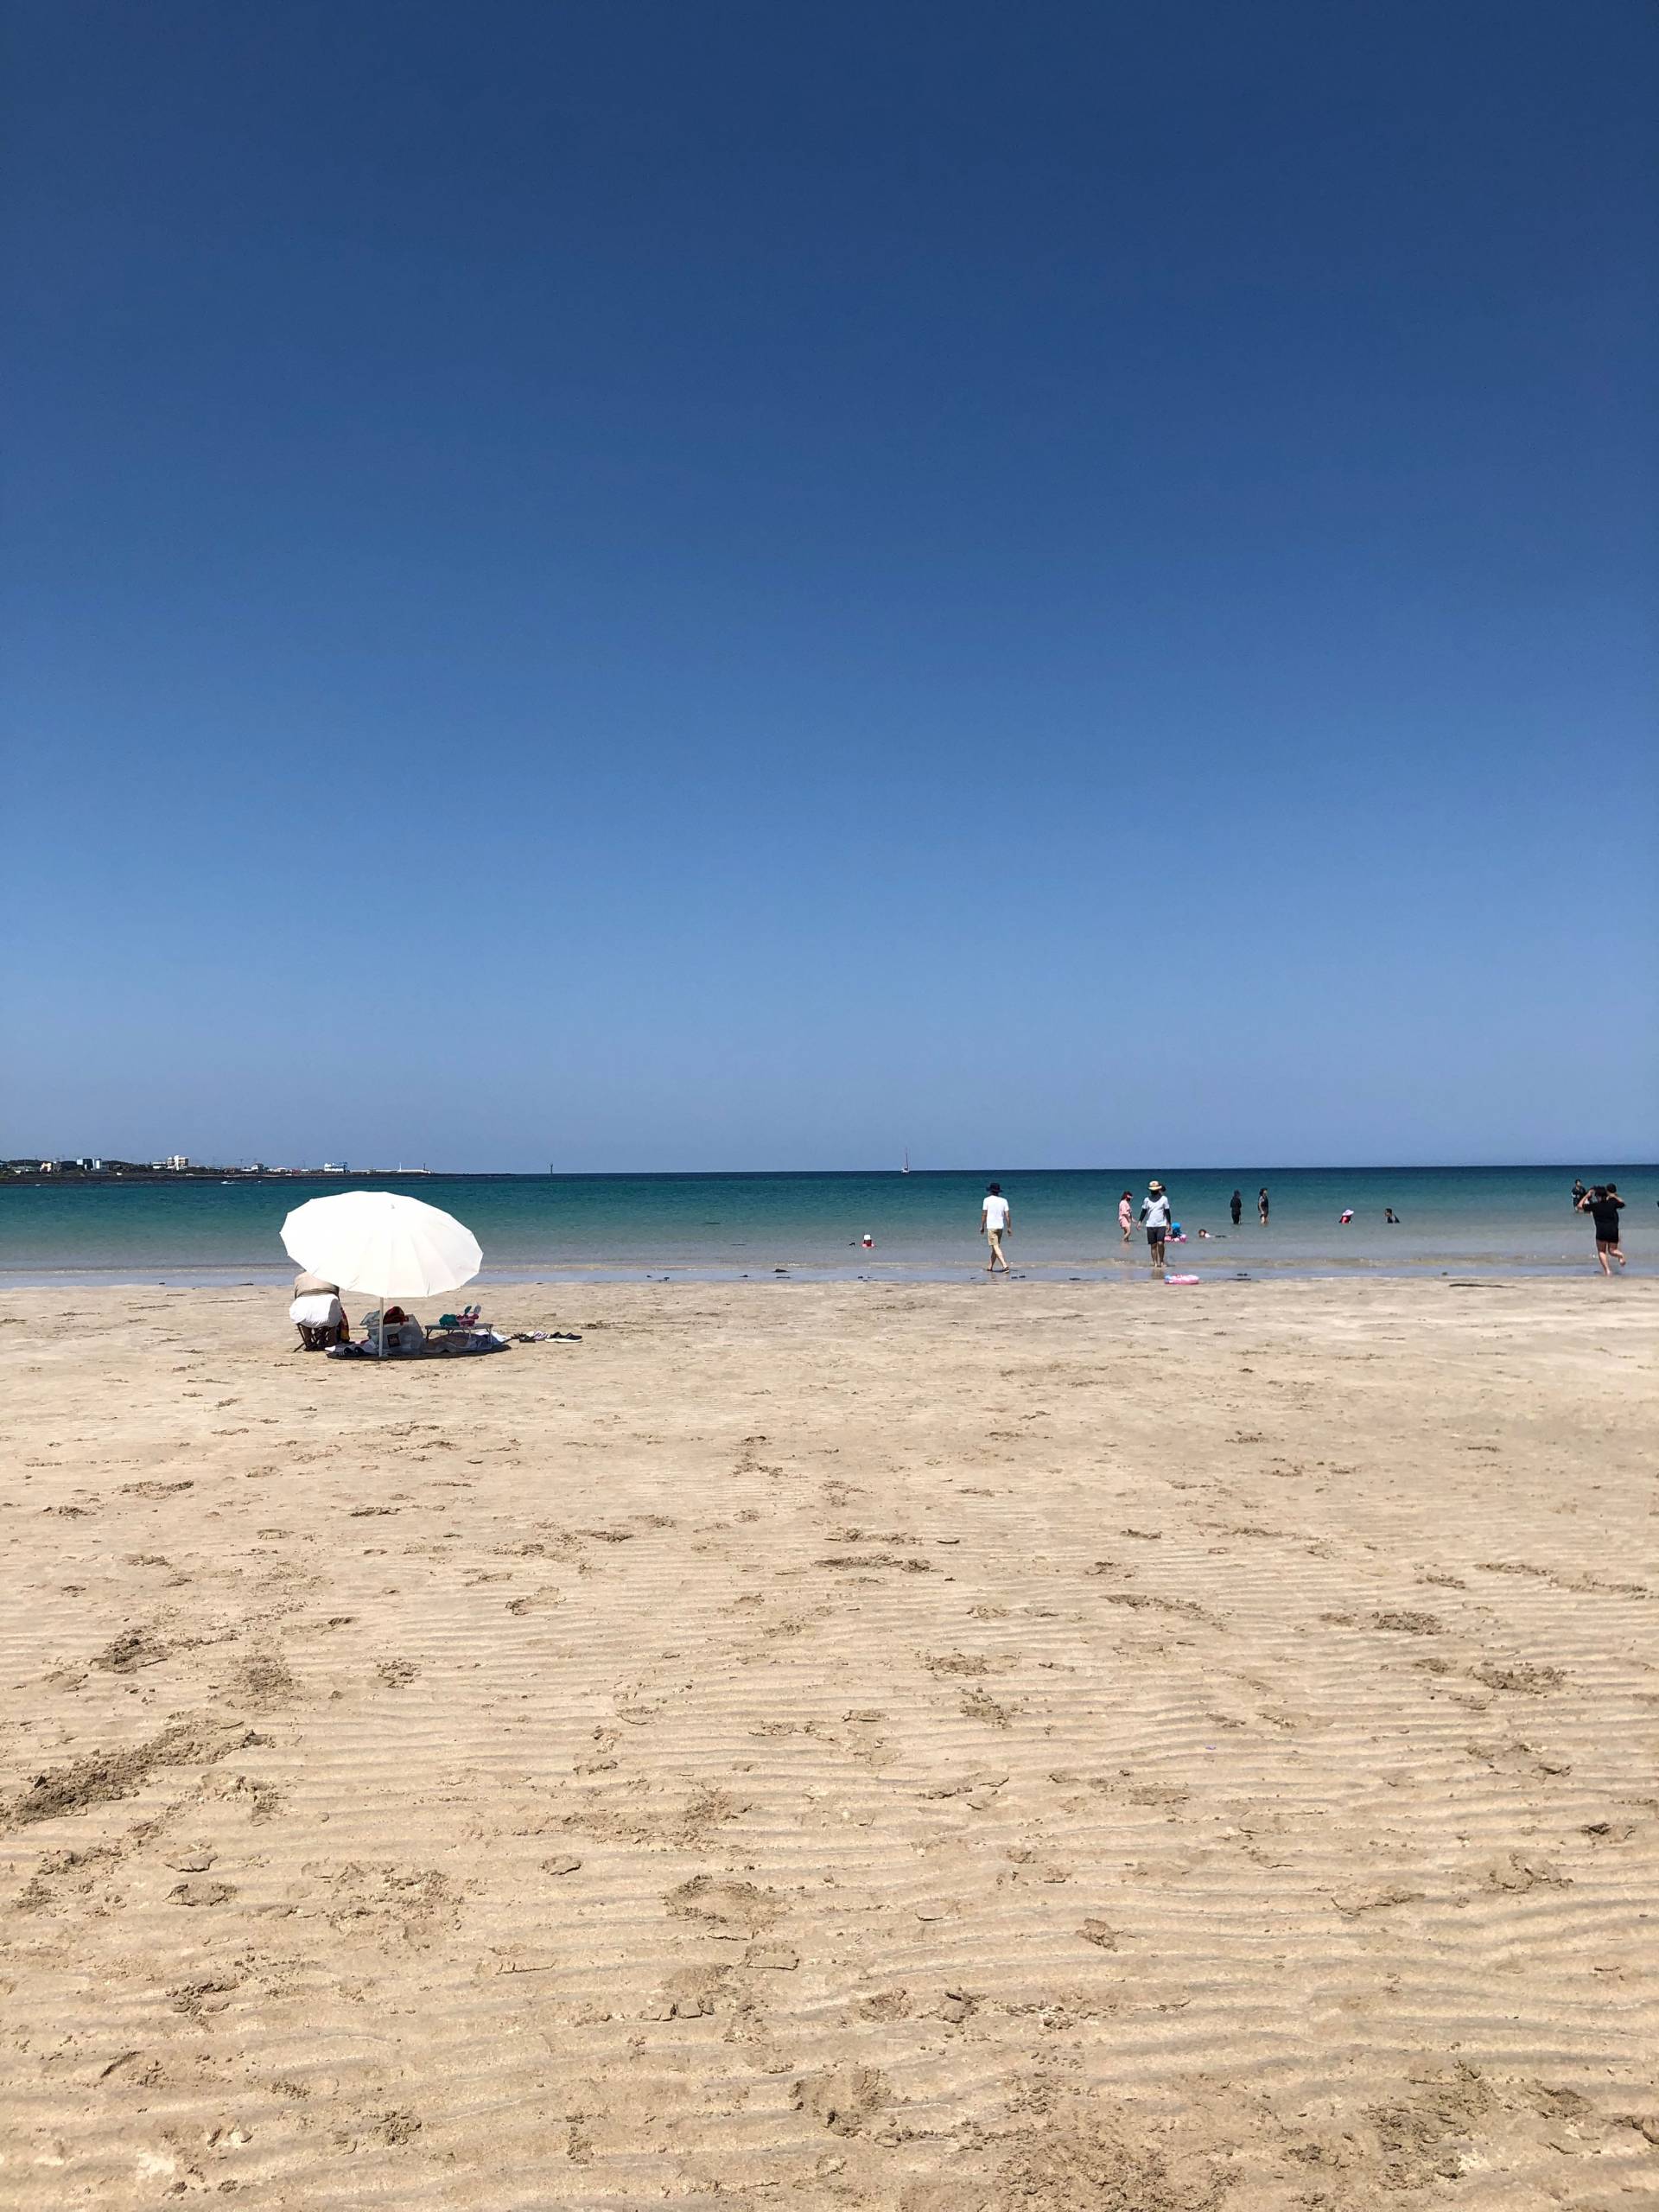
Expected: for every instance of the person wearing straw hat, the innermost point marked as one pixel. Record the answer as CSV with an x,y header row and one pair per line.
x,y
1155,1217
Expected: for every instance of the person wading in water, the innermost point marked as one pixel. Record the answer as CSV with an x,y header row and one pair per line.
x,y
1604,1206
993,1218
1154,1215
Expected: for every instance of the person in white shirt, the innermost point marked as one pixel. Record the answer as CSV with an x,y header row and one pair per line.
x,y
993,1219
318,1314
1154,1217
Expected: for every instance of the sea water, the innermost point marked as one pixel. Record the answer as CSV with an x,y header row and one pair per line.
x,y
1489,1221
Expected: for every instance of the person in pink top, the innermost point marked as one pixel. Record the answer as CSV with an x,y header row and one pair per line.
x,y
1126,1214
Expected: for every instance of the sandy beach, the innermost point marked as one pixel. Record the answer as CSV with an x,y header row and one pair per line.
x,y
1038,1747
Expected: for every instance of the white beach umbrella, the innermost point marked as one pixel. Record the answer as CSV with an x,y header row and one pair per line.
x,y
377,1242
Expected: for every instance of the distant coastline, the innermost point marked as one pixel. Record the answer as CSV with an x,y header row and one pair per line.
x,y
60,1174
67,1173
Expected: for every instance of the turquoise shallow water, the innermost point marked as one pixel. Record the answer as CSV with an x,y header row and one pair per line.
x,y
1474,1220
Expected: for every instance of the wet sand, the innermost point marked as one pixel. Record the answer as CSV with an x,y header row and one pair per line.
x,y
1033,1746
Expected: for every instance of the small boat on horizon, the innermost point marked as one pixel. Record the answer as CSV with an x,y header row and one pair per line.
x,y
905,1170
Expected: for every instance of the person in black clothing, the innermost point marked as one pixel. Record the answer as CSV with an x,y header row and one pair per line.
x,y
1604,1206
1578,1191
1236,1206
1262,1206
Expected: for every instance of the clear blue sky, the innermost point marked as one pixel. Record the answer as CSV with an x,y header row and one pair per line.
x,y
655,585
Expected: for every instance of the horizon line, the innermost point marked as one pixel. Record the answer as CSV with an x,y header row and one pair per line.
x,y
572,1175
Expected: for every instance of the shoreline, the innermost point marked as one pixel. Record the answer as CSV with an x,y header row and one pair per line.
x,y
1119,1274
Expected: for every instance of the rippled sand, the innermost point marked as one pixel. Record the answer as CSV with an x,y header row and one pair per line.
x,y
929,1748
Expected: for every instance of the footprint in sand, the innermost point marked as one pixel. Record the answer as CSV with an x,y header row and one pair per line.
x,y
723,1903
1521,1675
201,1893
844,2100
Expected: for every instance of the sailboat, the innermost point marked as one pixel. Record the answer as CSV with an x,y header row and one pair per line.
x,y
905,1170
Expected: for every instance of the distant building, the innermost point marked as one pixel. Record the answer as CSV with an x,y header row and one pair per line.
x,y
175,1160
